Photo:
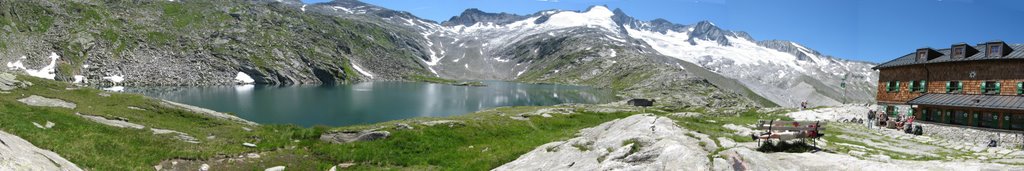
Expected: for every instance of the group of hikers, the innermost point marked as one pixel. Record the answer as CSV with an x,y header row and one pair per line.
x,y
899,122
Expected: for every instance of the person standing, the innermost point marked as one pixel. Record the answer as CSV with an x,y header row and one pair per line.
x,y
883,119
871,118
910,122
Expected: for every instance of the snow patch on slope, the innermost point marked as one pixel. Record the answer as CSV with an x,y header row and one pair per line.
x,y
742,51
114,78
47,72
500,34
115,89
361,71
79,79
598,16
243,78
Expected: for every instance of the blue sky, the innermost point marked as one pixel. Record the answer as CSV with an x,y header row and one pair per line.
x,y
866,30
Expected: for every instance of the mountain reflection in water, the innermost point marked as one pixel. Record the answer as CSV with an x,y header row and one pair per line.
x,y
370,102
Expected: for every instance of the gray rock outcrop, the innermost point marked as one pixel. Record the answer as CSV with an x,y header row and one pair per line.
x,y
177,135
122,123
638,142
18,154
46,102
450,123
207,112
353,136
111,122
10,82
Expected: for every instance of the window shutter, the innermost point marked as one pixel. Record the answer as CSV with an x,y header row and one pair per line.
x,y
888,86
983,87
960,86
947,86
998,88
910,86
924,86
897,86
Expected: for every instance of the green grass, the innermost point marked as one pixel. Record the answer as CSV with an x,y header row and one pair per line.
x,y
430,79
583,147
27,16
635,145
101,147
486,140
449,148
179,15
159,37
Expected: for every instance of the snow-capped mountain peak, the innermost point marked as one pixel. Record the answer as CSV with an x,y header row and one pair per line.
x,y
781,71
596,16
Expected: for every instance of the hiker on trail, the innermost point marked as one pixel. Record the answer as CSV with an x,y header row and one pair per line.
x,y
871,118
803,105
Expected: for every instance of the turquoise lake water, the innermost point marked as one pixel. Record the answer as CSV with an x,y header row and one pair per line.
x,y
370,102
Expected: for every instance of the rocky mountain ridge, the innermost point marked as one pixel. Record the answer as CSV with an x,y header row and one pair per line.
x,y
289,42
794,73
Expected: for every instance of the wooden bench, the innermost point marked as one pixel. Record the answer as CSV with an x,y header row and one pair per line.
x,y
787,130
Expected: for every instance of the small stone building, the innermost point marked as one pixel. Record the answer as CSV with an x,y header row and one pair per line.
x,y
979,87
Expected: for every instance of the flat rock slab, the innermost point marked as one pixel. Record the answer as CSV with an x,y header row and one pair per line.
x,y
178,135
347,137
207,112
46,102
660,145
111,122
450,123
19,154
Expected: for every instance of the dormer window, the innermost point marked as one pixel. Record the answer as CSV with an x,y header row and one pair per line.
x,y
994,50
926,54
959,52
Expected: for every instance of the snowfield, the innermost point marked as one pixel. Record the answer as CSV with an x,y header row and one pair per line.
x,y
47,72
243,78
361,71
114,78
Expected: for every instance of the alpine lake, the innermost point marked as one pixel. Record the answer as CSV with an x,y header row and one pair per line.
x,y
370,102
